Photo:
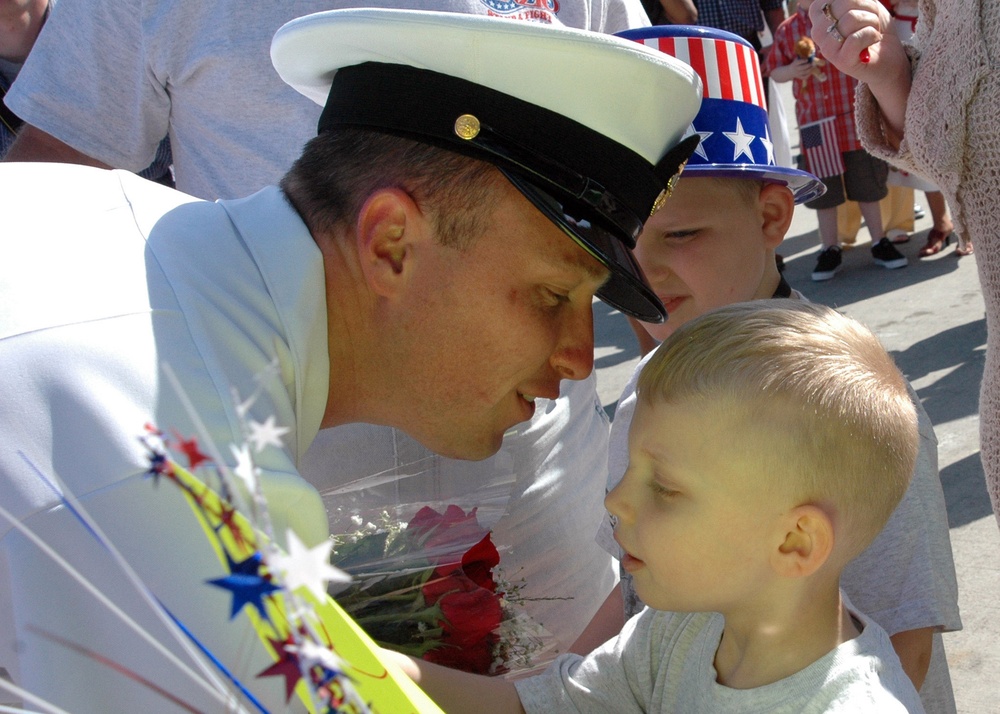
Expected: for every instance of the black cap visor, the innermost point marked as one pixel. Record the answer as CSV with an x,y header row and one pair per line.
x,y
626,289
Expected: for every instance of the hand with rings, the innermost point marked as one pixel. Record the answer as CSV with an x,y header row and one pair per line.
x,y
832,30
863,26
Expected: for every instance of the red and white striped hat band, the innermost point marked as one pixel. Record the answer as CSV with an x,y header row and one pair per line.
x,y
728,70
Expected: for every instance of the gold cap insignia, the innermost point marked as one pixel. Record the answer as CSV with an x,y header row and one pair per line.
x,y
467,127
665,193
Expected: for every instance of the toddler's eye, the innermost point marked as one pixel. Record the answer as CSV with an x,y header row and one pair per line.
x,y
660,490
679,236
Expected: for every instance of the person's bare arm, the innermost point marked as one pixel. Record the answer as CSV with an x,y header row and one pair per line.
x,y
606,623
459,692
680,12
33,144
913,647
798,68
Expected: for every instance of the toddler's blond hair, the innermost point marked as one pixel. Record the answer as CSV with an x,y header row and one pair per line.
x,y
807,398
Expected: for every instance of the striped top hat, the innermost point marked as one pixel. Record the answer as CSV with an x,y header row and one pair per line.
x,y
732,122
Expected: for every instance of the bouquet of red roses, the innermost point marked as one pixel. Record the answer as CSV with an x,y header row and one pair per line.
x,y
430,588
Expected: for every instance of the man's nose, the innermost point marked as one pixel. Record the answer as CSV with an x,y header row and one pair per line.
x,y
573,357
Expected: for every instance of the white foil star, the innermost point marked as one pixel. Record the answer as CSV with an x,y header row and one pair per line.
x,y
266,434
741,141
244,466
311,654
308,567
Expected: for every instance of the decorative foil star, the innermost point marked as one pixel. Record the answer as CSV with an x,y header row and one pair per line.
x,y
249,566
315,655
266,434
287,666
307,567
247,589
741,141
159,465
189,447
244,465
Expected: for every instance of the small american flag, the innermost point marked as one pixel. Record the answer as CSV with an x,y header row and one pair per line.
x,y
822,150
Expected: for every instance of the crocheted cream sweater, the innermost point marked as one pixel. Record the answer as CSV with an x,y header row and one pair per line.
x,y
952,136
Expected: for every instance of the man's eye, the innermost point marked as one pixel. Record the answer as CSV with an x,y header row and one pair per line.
x,y
555,297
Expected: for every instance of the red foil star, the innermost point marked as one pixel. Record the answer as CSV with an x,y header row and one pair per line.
x,y
287,666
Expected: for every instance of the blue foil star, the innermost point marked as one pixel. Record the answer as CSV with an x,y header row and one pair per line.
x,y
250,566
158,466
247,586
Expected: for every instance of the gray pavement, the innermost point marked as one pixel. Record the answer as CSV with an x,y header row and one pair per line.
x,y
930,316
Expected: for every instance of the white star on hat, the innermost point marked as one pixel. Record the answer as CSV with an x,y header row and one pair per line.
x,y
769,145
741,141
700,149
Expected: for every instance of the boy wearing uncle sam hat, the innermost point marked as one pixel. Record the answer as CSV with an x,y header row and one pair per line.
x,y
713,244
429,263
736,524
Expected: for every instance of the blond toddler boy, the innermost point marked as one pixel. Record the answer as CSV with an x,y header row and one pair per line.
x,y
771,442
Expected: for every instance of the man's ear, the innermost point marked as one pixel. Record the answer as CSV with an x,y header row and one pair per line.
x,y
806,544
777,205
387,225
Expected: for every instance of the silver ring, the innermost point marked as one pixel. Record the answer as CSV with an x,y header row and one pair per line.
x,y
832,30
828,13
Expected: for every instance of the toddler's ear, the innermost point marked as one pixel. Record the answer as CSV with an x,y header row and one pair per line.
x,y
807,542
777,206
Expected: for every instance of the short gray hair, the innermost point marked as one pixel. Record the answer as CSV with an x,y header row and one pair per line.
x,y
341,167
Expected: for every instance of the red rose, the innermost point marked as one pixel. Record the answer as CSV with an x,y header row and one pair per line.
x,y
445,537
469,612
470,609
477,564
470,615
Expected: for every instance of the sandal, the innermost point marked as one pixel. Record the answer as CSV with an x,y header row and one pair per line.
x,y
964,247
936,241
